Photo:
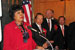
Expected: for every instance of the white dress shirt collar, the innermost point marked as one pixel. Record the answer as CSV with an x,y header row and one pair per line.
x,y
39,27
61,26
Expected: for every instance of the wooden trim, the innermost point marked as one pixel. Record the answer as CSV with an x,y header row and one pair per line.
x,y
12,2
8,2
17,2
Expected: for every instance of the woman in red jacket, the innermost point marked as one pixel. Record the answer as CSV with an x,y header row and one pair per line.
x,y
16,34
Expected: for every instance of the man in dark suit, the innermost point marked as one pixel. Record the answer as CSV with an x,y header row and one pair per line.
x,y
71,37
37,25
62,33
49,24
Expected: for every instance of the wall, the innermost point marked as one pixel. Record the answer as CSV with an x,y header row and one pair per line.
x,y
70,11
61,8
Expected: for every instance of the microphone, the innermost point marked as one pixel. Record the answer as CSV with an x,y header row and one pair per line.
x,y
33,29
41,36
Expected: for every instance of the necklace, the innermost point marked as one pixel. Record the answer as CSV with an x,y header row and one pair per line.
x,y
24,32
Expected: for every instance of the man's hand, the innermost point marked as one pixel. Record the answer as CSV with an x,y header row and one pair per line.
x,y
51,41
45,45
56,47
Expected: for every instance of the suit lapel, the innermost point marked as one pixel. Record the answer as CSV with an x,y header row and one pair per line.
x,y
64,30
46,24
37,27
52,24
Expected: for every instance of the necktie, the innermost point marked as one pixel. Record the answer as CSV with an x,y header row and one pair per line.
x,y
40,29
49,23
62,30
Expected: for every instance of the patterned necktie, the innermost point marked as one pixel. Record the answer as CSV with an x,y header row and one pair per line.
x,y
49,23
62,30
40,29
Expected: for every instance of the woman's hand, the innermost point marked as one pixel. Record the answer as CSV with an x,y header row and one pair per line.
x,y
39,47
